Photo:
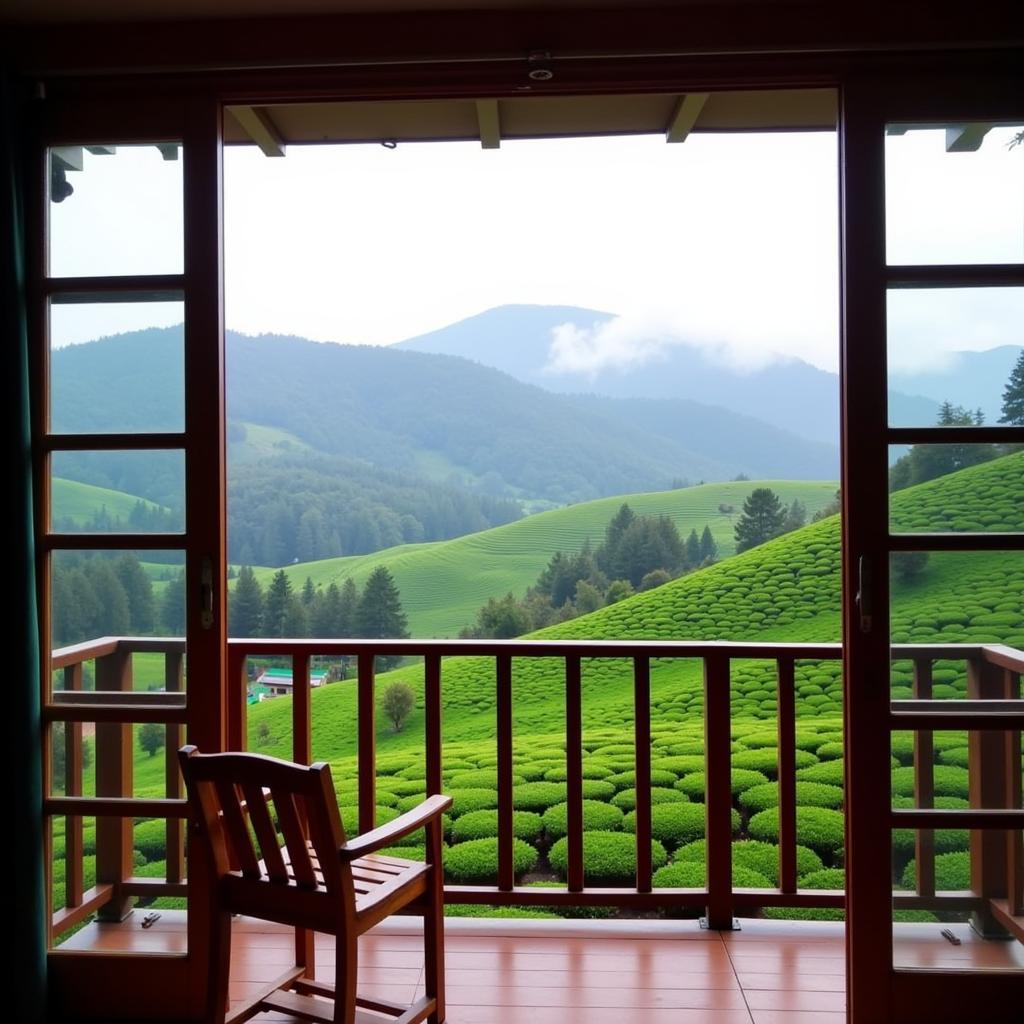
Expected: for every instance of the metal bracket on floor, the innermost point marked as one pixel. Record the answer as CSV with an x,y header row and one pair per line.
x,y
735,925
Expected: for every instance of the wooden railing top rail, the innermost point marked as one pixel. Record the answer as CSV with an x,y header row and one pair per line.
x,y
996,654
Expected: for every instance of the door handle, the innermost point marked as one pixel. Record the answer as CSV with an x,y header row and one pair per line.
x,y
863,598
206,593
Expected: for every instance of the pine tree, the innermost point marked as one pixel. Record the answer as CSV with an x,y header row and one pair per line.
x,y
708,547
276,609
796,516
172,605
380,615
693,558
762,518
346,624
139,591
1013,395
296,619
245,607
308,592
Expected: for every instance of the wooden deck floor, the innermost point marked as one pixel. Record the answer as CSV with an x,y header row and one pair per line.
x,y
626,972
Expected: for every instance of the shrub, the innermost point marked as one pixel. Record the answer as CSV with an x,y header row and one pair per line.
x,y
829,751
817,827
766,760
484,825
609,858
483,910
829,878
947,840
952,871
757,856
828,772
477,860
675,825
597,789
659,777
956,756
570,911
691,874
597,817
679,764
808,794
627,798
466,800
949,780
742,779
537,796
590,771
150,838
401,787
397,701
481,778
350,818
417,852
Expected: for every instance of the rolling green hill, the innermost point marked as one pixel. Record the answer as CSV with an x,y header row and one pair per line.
x,y
785,590
80,502
443,584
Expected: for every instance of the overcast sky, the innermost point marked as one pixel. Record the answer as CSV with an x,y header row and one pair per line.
x,y
726,241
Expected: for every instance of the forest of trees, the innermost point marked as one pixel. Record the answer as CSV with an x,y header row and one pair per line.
x,y
307,508
764,516
637,553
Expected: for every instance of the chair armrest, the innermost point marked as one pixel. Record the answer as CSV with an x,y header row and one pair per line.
x,y
386,835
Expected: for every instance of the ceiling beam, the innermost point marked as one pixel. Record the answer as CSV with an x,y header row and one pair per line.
x,y
489,120
260,127
965,138
684,116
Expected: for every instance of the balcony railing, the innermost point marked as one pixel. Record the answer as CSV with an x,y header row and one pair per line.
x,y
991,714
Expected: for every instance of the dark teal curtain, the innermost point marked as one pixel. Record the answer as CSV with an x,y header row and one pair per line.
x,y
24,746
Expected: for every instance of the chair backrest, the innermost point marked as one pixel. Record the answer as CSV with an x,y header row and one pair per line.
x,y
231,796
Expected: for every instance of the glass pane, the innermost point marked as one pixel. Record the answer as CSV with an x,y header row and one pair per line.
x,y
931,495
955,356
116,210
954,194
932,929
972,597
117,366
118,492
116,594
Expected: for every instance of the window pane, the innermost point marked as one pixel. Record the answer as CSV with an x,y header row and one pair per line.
x,y
118,492
957,597
954,194
984,498
116,210
117,366
952,353
116,593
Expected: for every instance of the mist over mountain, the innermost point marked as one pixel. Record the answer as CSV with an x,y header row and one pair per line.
x,y
790,394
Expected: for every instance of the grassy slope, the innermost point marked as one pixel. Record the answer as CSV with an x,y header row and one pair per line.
x,y
468,570
262,442
79,501
754,596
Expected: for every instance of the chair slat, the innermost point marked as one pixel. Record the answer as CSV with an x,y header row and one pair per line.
x,y
237,830
259,815
294,839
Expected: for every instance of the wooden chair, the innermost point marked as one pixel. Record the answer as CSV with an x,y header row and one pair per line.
x,y
315,880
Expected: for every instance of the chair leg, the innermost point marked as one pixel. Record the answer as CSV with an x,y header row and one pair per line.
x,y
346,969
433,951
220,968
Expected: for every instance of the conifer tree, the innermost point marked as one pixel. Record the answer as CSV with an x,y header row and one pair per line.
x,y
762,518
1013,395
708,547
693,558
245,608
276,609
380,615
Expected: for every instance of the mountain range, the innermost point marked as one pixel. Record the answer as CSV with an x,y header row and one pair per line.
x,y
789,394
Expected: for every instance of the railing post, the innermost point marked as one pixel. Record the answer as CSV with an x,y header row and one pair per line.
x,y
506,867
718,791
988,789
432,715
175,842
74,886
786,727
237,699
1014,837
367,732
924,783
574,771
642,762
114,750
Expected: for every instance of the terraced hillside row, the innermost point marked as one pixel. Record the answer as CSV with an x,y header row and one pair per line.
x,y
786,590
443,584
